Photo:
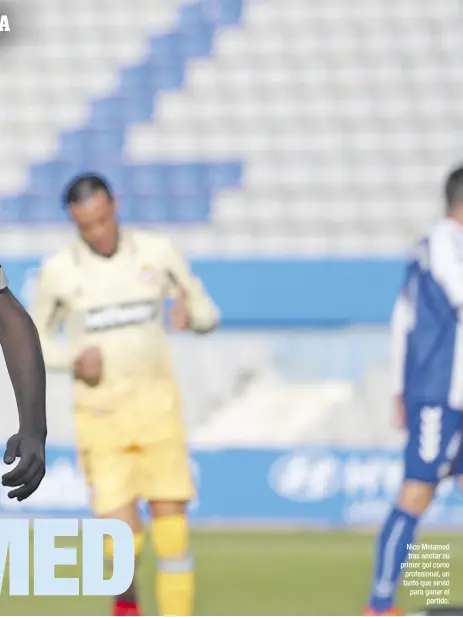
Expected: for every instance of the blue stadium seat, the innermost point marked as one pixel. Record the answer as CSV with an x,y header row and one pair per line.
x,y
91,142
84,165
107,113
196,42
135,78
136,108
163,49
191,14
73,144
105,141
87,148
187,179
166,77
223,176
121,109
150,209
44,209
216,12
192,209
149,180
45,177
124,208
49,178
224,12
166,63
13,210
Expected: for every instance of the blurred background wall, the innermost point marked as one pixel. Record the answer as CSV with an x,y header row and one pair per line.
x,y
293,150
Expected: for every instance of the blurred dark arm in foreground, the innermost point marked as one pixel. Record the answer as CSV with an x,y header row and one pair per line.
x,y
24,360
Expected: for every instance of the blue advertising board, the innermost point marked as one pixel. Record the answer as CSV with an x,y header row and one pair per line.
x,y
279,293
310,486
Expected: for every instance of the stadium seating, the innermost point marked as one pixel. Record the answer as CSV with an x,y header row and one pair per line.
x,y
100,104
310,126
247,126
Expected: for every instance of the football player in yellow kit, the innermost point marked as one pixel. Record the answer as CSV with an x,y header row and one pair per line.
x,y
108,289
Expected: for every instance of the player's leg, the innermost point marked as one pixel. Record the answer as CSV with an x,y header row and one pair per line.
x,y
397,532
112,479
429,454
175,563
169,488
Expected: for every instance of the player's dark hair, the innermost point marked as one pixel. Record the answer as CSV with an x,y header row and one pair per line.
x,y
454,189
81,188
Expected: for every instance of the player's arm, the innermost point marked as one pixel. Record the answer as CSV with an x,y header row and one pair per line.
x,y
203,315
24,360
49,312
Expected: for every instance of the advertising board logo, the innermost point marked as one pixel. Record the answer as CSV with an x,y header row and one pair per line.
x,y
366,481
316,475
304,477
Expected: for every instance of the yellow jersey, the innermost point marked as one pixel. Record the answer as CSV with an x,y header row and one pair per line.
x,y
117,305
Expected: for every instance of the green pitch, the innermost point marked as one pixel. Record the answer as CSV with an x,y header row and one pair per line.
x,y
264,574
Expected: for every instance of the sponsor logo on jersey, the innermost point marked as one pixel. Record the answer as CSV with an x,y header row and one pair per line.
x,y
148,275
120,316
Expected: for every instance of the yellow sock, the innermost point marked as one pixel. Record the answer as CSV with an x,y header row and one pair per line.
x,y
175,575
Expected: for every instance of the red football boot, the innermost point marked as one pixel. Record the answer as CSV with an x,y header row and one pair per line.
x,y
125,609
392,611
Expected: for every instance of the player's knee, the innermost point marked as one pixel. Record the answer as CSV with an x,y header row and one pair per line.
x,y
460,482
170,538
415,497
163,509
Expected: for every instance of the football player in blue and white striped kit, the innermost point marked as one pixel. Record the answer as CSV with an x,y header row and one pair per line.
x,y
427,362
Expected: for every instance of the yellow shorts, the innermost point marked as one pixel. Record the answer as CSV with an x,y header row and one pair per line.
x,y
155,472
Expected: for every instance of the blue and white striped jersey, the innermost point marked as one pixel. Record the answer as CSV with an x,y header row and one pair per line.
x,y
427,324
